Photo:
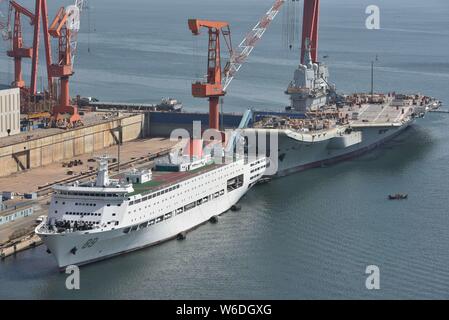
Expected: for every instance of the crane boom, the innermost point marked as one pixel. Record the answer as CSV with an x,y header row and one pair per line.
x,y
74,24
242,52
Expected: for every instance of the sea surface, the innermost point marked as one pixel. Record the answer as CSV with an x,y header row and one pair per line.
x,y
307,236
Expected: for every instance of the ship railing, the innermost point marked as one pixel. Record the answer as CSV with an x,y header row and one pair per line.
x,y
46,227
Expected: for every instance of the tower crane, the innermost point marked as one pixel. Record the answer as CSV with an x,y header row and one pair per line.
x,y
64,28
18,51
310,24
217,81
213,87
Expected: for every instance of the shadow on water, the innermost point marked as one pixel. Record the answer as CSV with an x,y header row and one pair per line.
x,y
410,146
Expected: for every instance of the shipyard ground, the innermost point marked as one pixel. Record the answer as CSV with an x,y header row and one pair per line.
x,y
30,180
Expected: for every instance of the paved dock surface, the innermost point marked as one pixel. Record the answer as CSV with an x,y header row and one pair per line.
x,y
30,180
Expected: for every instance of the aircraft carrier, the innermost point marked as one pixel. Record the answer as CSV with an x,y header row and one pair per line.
x,y
322,126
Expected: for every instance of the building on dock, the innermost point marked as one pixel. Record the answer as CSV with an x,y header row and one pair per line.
x,y
9,111
14,209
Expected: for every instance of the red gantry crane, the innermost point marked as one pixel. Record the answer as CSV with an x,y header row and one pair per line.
x,y
217,81
64,24
18,51
65,29
310,29
212,88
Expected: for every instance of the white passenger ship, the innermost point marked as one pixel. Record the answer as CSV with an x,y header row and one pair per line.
x,y
95,220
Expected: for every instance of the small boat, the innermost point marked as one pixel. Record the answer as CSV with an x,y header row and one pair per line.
x,y
398,196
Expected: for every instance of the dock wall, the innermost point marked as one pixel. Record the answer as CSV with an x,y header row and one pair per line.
x,y
67,144
161,124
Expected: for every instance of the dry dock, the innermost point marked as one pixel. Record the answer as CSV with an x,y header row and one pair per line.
x,y
34,179
42,147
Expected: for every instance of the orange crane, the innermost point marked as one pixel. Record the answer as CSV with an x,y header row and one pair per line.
x,y
62,69
18,51
212,88
217,81
310,24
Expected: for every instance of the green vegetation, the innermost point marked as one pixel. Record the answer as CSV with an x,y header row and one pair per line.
x,y
142,187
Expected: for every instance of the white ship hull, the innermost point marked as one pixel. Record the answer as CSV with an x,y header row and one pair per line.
x,y
195,202
114,242
295,155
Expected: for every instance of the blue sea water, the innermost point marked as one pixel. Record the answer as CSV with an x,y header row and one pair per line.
x,y
310,235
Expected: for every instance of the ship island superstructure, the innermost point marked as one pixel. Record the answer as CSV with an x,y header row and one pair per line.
x,y
142,207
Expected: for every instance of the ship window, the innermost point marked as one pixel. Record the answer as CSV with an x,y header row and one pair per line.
x,y
159,219
168,215
113,214
234,183
143,225
131,203
151,222
189,206
108,205
134,228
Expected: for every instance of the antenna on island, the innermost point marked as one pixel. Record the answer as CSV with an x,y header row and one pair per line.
x,y
372,76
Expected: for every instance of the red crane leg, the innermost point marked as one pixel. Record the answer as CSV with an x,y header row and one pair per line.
x,y
310,28
214,113
18,82
35,60
65,96
47,43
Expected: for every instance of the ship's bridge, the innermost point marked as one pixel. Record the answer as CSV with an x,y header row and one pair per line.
x,y
117,191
